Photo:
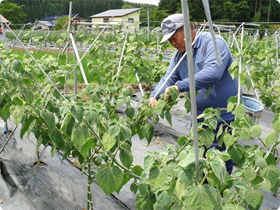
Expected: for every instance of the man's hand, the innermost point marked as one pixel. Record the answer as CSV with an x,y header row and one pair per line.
x,y
153,102
167,90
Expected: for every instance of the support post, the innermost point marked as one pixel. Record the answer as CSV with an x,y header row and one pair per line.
x,y
188,44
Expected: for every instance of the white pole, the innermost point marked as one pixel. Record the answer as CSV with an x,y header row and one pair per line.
x,y
119,66
78,58
188,44
209,19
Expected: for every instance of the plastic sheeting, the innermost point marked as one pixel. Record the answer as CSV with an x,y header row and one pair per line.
x,y
56,185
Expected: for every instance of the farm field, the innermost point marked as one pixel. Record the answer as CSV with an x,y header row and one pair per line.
x,y
114,148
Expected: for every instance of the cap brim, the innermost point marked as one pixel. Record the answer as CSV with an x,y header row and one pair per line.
x,y
166,37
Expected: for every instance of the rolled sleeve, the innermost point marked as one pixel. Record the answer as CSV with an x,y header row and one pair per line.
x,y
171,81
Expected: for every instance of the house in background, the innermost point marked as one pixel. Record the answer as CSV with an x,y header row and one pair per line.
x,y
3,20
55,17
48,23
43,25
116,17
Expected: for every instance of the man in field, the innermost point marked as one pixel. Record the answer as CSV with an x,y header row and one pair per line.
x,y
208,74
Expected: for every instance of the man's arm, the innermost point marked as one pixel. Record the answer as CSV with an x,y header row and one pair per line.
x,y
172,80
211,72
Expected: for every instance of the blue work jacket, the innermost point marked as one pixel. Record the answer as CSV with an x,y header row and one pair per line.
x,y
208,75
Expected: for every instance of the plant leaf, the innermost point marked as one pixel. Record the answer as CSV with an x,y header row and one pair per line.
x,y
77,113
80,136
148,132
203,197
228,139
206,136
253,197
129,112
272,137
109,178
108,141
126,158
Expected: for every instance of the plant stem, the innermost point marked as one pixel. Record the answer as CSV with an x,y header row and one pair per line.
x,y
110,155
38,157
263,143
183,147
89,195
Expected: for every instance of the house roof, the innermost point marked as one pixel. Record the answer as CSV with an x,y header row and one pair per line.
x,y
116,12
3,19
47,23
55,17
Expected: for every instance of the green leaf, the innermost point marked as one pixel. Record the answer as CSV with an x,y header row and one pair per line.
x,y
109,178
17,65
249,174
80,135
203,197
160,105
180,188
181,140
276,123
230,206
260,162
186,175
219,168
270,173
143,189
256,130
108,141
114,130
65,122
57,138
187,159
28,95
18,101
245,134
120,102
253,196
125,133
148,132
266,185
164,201
228,139
168,117
48,118
77,113
25,125
5,112
144,202
17,113
239,111
272,137
236,153
86,147
137,170
230,106
220,132
126,158
157,178
206,136
129,112
90,116
148,162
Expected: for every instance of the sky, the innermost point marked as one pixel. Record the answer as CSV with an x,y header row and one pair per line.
x,y
155,2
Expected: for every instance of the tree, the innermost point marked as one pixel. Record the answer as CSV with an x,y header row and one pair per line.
x,y
13,12
60,23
